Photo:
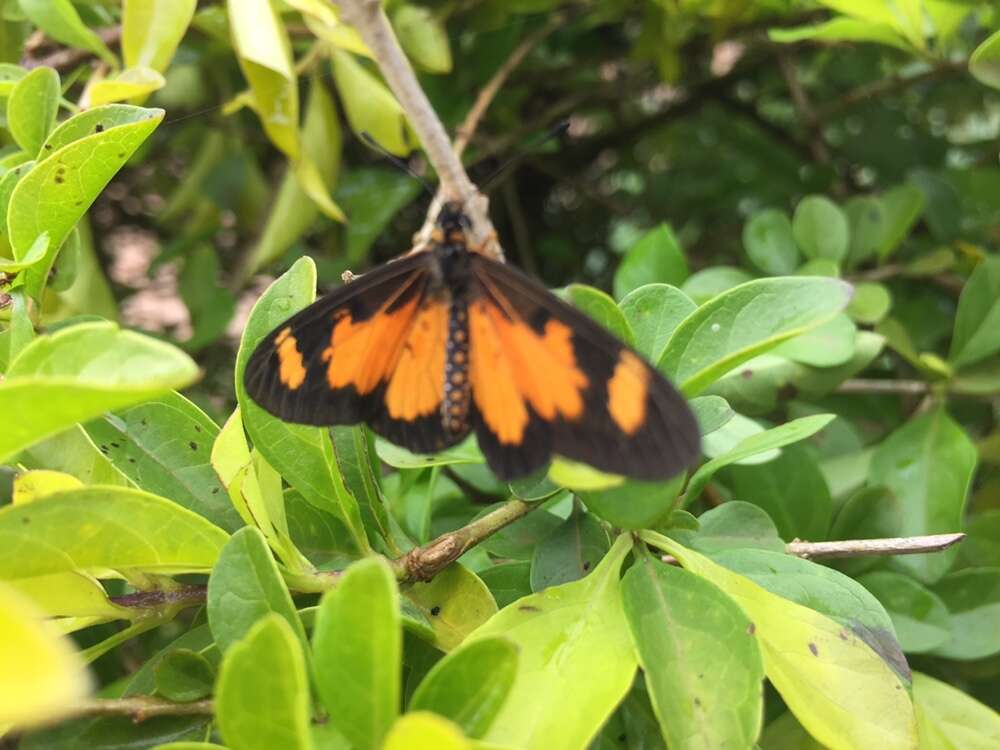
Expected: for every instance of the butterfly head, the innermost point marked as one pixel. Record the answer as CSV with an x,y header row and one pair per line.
x,y
452,218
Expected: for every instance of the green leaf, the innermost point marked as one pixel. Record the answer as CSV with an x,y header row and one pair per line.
x,y
703,285
210,304
656,258
246,585
746,321
977,323
507,581
776,437
632,504
842,30
423,38
369,105
733,525
919,617
820,228
466,452
770,244
54,195
928,464
152,30
844,693
70,595
570,636
80,372
41,674
371,197
712,412
97,528
871,302
164,446
984,62
469,685
779,487
32,109
425,731
827,345
570,552
132,83
184,675
948,719
302,454
292,212
265,57
599,306
653,311
699,655
903,205
262,696
455,603
91,121
867,221
59,20
972,597
358,647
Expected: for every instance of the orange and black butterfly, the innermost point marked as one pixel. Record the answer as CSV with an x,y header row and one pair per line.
x,y
446,341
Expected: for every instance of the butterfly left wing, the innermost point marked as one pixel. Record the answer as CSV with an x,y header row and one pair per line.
x,y
372,351
547,379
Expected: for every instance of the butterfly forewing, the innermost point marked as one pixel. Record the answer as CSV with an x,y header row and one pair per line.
x,y
548,379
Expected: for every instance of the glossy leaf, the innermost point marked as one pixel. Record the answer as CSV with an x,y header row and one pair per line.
x,y
423,38
919,617
570,635
422,730
96,528
184,675
265,57
455,603
372,197
152,30
948,719
776,437
871,303
266,668
570,552
703,285
656,258
977,324
599,306
972,597
770,244
57,192
32,109
132,83
746,321
80,372
507,581
732,525
358,647
903,205
820,228
41,674
469,685
246,585
828,345
633,504
653,311
700,658
928,464
838,688
369,105
59,19
164,447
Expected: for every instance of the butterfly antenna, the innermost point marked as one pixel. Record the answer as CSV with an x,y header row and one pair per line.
x,y
395,160
554,132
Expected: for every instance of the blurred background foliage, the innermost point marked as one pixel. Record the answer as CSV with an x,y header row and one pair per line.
x,y
709,142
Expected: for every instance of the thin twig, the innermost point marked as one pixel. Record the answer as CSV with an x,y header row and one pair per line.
x,y
423,563
141,707
800,101
882,86
66,58
369,20
903,545
468,127
870,385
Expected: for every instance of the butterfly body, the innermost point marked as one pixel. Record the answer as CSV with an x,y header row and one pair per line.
x,y
446,341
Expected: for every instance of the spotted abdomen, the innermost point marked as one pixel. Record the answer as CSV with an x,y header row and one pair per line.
x,y
455,407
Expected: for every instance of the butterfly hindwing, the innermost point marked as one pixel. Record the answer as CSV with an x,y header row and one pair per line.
x,y
371,351
548,379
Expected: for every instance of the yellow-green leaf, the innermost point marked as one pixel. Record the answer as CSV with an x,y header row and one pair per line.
x,y
41,675
32,109
371,108
33,485
129,84
422,730
152,29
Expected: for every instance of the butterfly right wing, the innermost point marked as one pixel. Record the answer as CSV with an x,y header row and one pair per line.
x,y
334,361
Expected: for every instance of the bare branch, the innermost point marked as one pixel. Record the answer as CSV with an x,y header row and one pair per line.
x,y
141,707
881,86
468,127
373,26
67,58
903,545
870,385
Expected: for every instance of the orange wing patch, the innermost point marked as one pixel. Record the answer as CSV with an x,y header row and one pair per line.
x,y
627,391
292,372
416,388
362,354
512,364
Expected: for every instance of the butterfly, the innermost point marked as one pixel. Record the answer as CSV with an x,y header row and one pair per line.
x,y
446,341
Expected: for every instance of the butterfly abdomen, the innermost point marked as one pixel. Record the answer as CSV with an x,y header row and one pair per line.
x,y
455,406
